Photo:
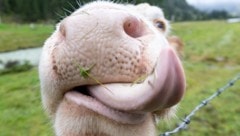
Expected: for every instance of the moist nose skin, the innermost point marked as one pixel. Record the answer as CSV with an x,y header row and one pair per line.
x,y
133,27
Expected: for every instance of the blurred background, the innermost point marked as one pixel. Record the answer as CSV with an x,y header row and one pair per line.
x,y
210,31
176,10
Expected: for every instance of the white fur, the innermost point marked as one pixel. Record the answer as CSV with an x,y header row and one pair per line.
x,y
70,119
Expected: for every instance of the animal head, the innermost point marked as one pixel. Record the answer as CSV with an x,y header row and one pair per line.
x,y
108,69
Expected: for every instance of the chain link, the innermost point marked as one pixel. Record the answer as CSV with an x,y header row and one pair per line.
x,y
186,121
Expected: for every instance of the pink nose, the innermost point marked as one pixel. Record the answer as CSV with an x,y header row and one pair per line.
x,y
133,27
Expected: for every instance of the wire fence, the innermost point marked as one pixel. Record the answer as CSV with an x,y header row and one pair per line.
x,y
186,121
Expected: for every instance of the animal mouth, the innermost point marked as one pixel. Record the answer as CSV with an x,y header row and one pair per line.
x,y
82,97
129,103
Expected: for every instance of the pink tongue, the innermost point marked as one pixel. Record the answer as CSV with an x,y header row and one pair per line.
x,y
163,89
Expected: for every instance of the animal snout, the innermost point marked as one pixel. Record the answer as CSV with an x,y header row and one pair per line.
x,y
117,45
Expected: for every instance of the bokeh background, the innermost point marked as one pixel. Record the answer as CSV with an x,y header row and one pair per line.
x,y
210,30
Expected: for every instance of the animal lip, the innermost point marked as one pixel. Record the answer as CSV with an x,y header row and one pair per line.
x,y
80,96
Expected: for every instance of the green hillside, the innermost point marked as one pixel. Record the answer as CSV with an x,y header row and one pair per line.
x,y
16,36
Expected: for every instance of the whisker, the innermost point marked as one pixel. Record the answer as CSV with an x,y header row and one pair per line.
x,y
133,2
59,15
68,11
117,1
65,14
79,3
85,2
73,7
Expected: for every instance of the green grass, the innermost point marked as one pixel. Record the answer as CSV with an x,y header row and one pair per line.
x,y
205,43
15,36
20,105
210,40
21,112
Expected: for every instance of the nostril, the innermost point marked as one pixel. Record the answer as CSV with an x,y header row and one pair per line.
x,y
133,27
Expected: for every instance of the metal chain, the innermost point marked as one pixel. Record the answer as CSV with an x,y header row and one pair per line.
x,y
186,121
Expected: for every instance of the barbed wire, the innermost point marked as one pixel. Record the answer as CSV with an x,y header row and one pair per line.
x,y
186,121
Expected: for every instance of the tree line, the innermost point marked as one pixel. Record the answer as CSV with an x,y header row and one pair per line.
x,y
33,10
45,10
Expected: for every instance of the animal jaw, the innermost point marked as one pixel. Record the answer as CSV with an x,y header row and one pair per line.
x,y
89,66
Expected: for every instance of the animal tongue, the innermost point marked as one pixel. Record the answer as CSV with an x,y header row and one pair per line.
x,y
162,89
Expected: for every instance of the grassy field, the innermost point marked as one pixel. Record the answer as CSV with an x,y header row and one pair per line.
x,y
14,36
211,58
20,105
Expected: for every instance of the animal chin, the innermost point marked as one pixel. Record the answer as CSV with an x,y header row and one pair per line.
x,y
130,103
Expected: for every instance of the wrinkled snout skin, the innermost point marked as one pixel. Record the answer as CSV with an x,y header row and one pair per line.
x,y
104,47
